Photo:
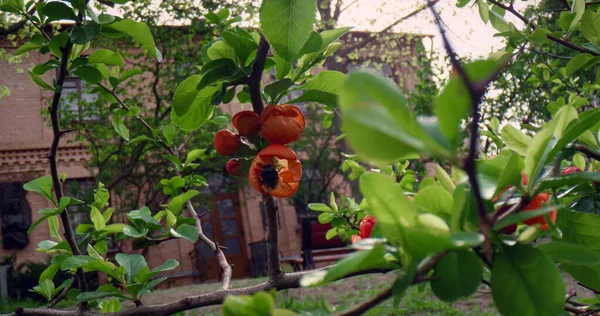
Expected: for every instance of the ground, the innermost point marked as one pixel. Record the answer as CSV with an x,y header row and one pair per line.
x,y
342,294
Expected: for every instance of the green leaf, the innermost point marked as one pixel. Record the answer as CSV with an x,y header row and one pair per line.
x,y
377,121
526,282
107,57
537,155
27,47
140,32
97,219
576,63
590,26
287,24
75,262
570,253
454,103
387,202
90,74
56,11
115,228
133,264
216,71
319,207
134,232
522,216
577,8
569,179
200,108
177,202
119,126
185,94
581,229
586,121
321,97
84,34
484,11
356,262
40,82
144,215
243,46
110,306
326,81
194,155
14,6
42,185
435,199
273,90
515,139
187,232
457,275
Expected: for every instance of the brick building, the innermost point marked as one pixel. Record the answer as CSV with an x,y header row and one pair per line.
x,y
236,220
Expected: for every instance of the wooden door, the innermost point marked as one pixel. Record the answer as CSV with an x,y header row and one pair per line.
x,y
222,224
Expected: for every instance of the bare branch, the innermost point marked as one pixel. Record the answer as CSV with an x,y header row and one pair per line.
x,y
273,264
373,37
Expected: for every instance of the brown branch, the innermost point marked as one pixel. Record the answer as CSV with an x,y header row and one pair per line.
x,y
56,183
373,37
255,77
476,92
287,281
273,264
588,152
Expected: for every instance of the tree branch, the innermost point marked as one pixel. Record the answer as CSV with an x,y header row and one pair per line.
x,y
588,152
56,183
373,37
287,281
273,264
255,77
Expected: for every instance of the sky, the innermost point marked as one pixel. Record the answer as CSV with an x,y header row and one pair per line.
x,y
467,32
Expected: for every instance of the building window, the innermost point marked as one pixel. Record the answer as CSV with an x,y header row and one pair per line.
x,y
82,189
77,99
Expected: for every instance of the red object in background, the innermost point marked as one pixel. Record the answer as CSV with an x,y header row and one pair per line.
x,y
318,237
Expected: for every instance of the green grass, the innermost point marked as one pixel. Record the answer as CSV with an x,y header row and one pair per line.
x,y
7,307
324,300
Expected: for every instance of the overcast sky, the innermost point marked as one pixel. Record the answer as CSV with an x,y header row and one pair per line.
x,y
469,35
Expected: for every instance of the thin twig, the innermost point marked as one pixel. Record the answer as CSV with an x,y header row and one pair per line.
x,y
588,152
476,92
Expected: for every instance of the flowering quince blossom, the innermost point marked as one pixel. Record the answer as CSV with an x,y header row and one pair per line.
x,y
226,143
276,170
282,123
366,227
247,123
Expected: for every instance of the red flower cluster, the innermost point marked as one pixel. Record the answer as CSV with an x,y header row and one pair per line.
x,y
275,169
366,227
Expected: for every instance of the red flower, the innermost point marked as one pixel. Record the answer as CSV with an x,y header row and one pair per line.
x,y
569,170
226,142
276,170
233,167
247,123
366,226
536,204
355,238
281,124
